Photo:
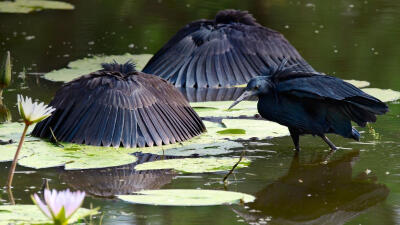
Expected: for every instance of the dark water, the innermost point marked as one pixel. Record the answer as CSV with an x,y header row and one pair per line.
x,y
350,39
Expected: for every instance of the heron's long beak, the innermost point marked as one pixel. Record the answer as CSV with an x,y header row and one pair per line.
x,y
242,97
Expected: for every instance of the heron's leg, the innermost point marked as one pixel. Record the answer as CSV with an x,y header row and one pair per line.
x,y
295,137
329,142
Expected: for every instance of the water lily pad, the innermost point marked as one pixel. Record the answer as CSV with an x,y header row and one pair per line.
x,y
195,165
41,154
358,83
220,108
37,153
31,214
88,65
187,197
27,6
385,95
253,128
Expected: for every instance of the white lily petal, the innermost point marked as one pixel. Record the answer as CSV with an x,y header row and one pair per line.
x,y
41,205
33,112
70,201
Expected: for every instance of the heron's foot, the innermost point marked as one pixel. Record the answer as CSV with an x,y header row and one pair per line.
x,y
329,142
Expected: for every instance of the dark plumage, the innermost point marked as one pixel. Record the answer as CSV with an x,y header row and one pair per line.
x,y
118,106
226,51
312,103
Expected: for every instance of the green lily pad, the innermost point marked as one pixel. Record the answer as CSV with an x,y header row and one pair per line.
x,y
358,83
31,214
187,197
87,65
41,154
37,153
254,129
220,108
385,95
27,6
195,165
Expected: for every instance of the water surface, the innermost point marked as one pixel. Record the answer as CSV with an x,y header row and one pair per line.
x,y
348,39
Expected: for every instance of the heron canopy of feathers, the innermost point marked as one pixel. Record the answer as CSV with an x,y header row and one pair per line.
x,y
226,51
119,106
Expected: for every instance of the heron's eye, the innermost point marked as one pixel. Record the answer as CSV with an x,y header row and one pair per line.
x,y
256,87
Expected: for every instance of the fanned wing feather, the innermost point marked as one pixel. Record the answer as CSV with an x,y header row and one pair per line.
x,y
108,109
208,54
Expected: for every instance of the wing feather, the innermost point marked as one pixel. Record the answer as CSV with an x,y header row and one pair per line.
x,y
111,110
239,51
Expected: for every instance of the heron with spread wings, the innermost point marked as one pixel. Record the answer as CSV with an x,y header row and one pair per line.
x,y
226,51
119,106
312,103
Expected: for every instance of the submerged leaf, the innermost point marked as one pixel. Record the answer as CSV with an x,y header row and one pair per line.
x,y
195,165
232,131
385,95
31,214
87,65
27,6
187,197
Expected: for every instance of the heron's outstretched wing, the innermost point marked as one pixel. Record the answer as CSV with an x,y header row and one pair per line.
x,y
106,109
207,54
358,105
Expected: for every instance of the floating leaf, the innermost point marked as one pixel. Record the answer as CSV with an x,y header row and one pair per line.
x,y
220,108
31,214
87,65
41,154
37,153
254,128
27,6
385,95
358,83
195,165
187,197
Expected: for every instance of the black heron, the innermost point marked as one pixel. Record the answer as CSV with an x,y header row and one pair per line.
x,y
119,106
226,51
312,103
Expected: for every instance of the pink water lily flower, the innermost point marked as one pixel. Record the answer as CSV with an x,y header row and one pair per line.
x,y
59,205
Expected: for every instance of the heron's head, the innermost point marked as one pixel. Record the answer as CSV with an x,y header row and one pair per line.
x,y
257,86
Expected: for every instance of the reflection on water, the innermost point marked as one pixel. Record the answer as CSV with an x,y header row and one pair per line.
x,y
368,51
120,180
318,192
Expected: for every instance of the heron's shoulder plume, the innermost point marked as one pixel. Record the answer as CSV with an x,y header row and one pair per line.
x,y
285,72
125,69
235,16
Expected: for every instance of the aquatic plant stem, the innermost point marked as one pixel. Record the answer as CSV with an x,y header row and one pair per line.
x,y
14,163
10,196
234,166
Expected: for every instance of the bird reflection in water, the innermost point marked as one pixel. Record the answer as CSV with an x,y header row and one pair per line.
x,y
320,192
108,182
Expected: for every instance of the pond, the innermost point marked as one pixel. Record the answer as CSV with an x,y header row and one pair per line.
x,y
359,184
